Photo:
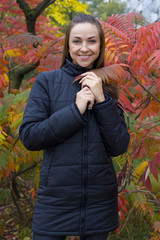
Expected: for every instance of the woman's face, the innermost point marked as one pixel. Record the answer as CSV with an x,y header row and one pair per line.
x,y
84,44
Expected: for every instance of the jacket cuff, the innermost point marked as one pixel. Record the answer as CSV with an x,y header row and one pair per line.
x,y
77,114
107,102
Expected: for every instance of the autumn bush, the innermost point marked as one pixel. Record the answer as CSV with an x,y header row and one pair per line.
x,y
132,64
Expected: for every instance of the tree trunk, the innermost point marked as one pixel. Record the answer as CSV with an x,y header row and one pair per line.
x,y
31,16
19,73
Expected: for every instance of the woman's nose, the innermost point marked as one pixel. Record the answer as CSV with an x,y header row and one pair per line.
x,y
84,46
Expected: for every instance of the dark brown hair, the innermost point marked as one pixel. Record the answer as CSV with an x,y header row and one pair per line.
x,y
99,62
85,18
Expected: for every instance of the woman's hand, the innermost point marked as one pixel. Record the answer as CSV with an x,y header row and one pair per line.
x,y
94,83
83,97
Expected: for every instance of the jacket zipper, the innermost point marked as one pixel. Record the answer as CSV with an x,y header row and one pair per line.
x,y
84,179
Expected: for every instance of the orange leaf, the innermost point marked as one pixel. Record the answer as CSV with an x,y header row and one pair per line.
x,y
32,192
112,72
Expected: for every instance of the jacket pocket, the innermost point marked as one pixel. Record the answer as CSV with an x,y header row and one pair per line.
x,y
46,167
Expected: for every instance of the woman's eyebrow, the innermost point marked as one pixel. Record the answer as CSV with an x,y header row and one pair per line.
x,y
92,37
80,37
76,37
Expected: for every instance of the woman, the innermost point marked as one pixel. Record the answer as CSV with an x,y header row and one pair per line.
x,y
79,126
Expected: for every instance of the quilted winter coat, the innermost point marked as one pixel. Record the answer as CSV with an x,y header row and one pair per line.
x,y
78,188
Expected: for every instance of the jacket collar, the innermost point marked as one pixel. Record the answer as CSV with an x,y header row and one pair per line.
x,y
73,69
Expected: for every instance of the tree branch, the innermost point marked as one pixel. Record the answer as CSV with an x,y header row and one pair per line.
x,y
42,6
17,206
148,123
31,15
145,89
28,168
154,126
20,72
24,6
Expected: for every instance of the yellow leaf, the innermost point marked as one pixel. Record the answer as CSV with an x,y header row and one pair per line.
x,y
113,49
2,136
110,44
127,53
6,77
122,46
61,10
16,52
16,167
5,134
140,168
107,55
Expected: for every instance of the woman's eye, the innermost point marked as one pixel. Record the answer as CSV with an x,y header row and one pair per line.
x,y
76,41
92,41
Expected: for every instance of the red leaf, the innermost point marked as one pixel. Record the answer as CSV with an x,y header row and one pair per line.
x,y
154,169
157,158
158,85
119,205
156,226
158,128
127,91
154,57
146,182
125,101
117,230
122,216
2,28
122,107
139,149
124,208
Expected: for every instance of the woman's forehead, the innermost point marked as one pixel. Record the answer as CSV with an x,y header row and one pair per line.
x,y
84,29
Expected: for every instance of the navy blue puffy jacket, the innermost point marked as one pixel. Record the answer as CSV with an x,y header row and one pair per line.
x,y
78,187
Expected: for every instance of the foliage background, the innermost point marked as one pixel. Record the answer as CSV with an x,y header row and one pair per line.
x,y
31,41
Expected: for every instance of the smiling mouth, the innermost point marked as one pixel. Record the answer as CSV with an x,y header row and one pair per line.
x,y
84,56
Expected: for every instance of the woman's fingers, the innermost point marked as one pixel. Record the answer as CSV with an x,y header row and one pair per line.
x,y
89,74
83,97
94,83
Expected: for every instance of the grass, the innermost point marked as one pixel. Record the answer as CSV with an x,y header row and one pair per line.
x,y
137,227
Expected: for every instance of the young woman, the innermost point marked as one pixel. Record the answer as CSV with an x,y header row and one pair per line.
x,y
79,126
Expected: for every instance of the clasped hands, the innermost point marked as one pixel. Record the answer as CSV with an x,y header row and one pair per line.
x,y
91,91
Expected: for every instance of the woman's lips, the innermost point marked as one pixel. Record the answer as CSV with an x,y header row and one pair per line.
x,y
84,57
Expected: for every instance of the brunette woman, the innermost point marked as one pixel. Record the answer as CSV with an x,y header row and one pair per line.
x,y
80,127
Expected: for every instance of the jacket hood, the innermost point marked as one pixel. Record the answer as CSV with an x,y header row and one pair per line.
x,y
73,69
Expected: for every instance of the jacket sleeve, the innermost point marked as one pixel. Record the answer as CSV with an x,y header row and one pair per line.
x,y
112,126
39,129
